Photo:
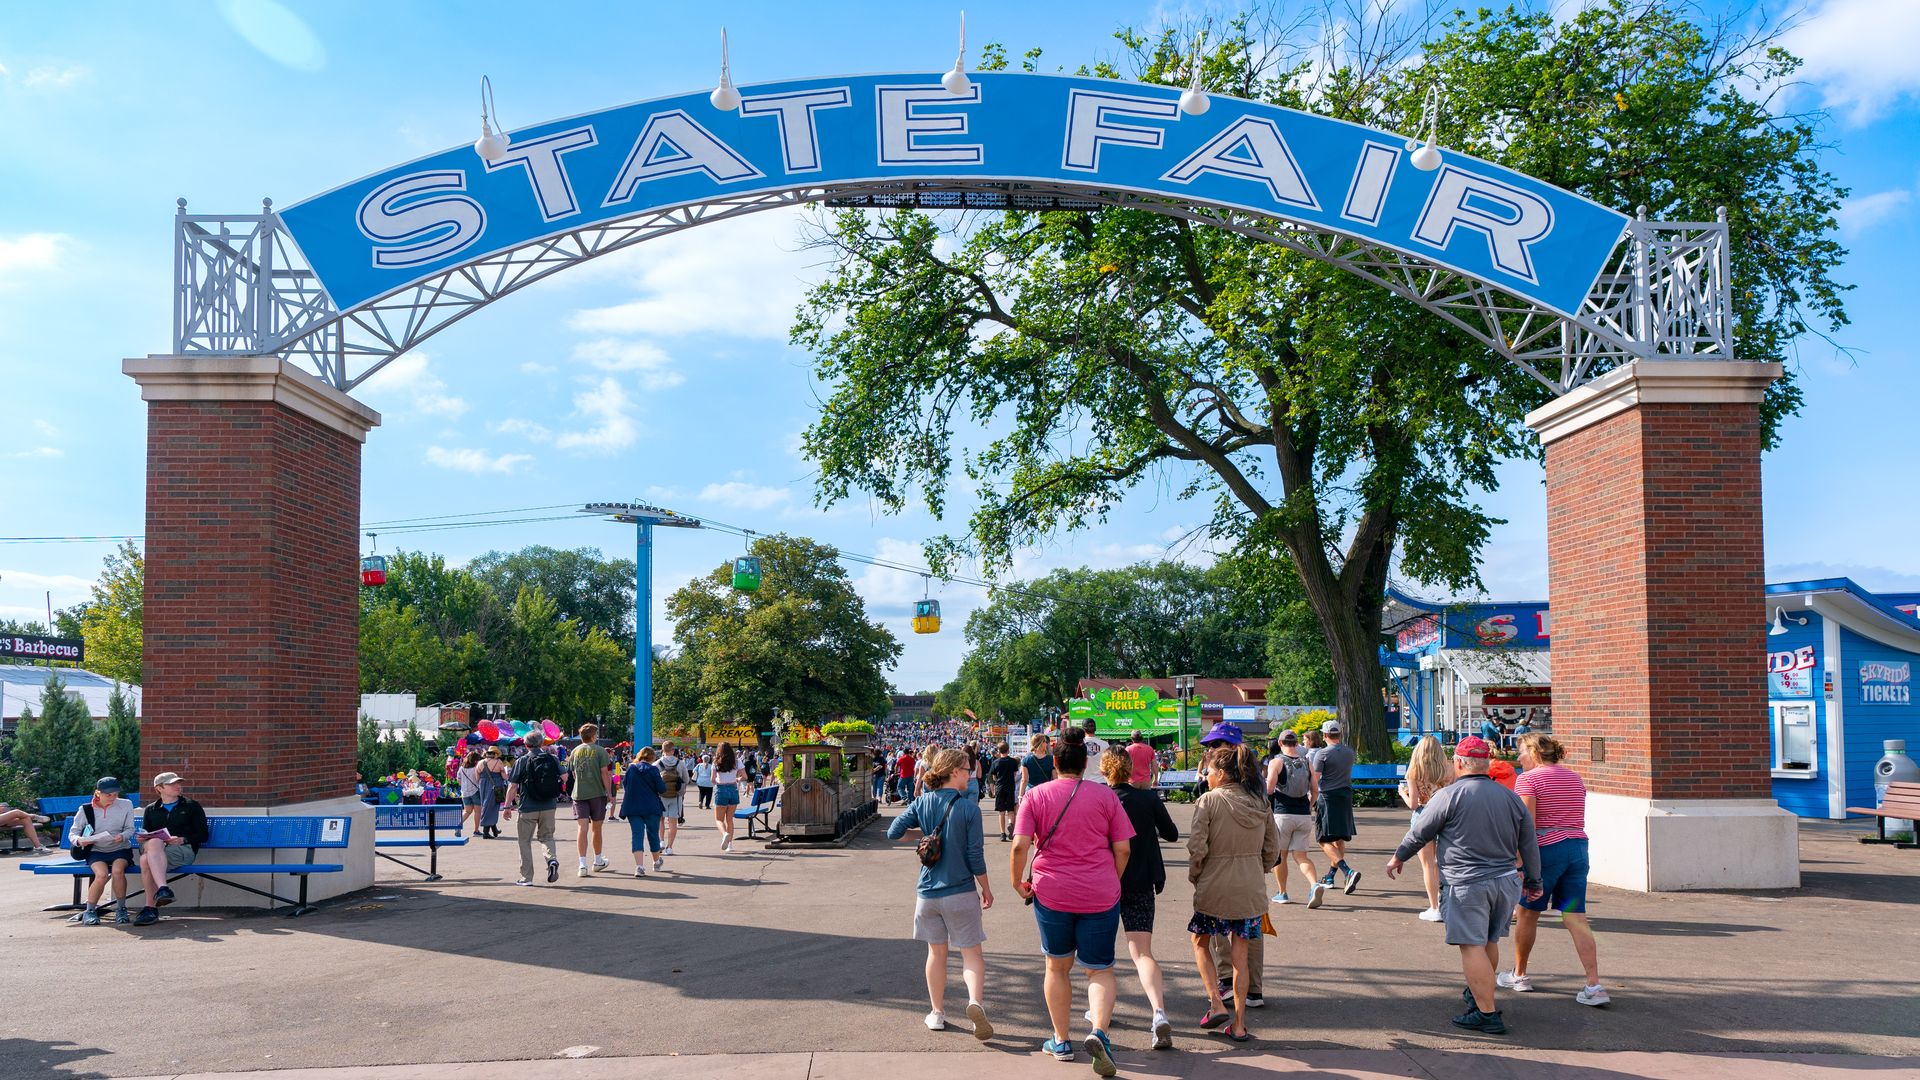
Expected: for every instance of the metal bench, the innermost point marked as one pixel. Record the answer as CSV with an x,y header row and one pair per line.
x,y
1902,803
418,818
308,834
760,809
1378,777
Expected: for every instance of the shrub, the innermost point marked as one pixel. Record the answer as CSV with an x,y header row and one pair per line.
x,y
1179,795
16,787
61,745
847,727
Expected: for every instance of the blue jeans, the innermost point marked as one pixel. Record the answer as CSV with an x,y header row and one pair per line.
x,y
1563,877
646,832
1089,934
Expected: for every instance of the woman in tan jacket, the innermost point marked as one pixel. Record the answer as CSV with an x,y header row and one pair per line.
x,y
1232,847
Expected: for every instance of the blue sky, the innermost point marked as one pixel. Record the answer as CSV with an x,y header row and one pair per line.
x,y
663,373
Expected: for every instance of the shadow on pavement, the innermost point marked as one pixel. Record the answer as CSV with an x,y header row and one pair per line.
x,y
28,1059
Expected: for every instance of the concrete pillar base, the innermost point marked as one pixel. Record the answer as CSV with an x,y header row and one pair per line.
x,y
1666,845
195,891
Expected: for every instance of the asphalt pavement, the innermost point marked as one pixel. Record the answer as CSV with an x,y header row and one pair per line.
x,y
790,962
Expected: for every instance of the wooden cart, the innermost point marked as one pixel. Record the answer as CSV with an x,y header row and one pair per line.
x,y
826,790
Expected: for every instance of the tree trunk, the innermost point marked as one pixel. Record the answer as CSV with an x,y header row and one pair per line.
x,y
1359,678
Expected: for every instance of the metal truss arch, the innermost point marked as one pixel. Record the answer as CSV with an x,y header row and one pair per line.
x,y
242,288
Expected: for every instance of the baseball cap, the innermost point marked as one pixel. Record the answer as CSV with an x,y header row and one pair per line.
x,y
1290,735
107,783
168,778
1473,746
1331,727
1223,732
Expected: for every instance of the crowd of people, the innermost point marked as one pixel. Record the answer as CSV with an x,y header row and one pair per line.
x,y
1085,825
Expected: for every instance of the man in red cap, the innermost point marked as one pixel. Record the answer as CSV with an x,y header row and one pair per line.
x,y
1484,828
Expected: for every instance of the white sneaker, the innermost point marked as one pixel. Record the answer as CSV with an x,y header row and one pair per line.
x,y
977,1013
1089,1015
601,866
1432,914
727,845
1595,995
658,862
523,881
639,871
936,1021
584,871
1519,984
666,851
1162,1032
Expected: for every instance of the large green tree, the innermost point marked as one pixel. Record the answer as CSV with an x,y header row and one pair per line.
x,y
111,621
1087,353
593,591
60,745
801,643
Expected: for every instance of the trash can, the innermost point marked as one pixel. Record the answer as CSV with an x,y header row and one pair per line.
x,y
1894,767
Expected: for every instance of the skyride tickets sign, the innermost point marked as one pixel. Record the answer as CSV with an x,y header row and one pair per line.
x,y
380,234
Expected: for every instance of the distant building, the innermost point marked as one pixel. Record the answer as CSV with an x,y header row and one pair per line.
x,y
910,707
21,686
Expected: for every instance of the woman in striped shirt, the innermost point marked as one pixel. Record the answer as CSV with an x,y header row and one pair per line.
x,y
1557,799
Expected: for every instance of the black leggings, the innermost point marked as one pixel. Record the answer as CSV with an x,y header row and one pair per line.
x,y
706,797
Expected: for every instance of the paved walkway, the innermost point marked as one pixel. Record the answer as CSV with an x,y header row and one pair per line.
x,y
801,957
1299,1065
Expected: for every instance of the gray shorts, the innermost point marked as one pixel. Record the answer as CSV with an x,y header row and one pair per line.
x,y
949,920
179,855
1477,913
1296,831
675,808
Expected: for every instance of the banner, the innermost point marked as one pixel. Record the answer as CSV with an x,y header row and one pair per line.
x,y
402,225
1121,712
35,647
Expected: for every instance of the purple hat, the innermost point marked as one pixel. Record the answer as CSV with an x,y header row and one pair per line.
x,y
1223,732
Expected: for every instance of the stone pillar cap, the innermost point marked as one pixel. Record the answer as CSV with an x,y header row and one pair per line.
x,y
251,378
1651,382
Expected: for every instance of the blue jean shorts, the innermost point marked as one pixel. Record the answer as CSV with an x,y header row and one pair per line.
x,y
1563,878
1089,935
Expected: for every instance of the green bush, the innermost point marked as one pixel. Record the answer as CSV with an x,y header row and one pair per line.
x,y
60,746
1179,795
16,787
847,727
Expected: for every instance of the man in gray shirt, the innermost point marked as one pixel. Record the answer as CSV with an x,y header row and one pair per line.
x,y
1482,828
1333,811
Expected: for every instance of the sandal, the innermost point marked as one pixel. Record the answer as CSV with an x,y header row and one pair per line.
x,y
1244,1036
1213,1019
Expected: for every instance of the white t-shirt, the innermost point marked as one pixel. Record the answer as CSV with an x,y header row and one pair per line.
x,y
1095,747
730,777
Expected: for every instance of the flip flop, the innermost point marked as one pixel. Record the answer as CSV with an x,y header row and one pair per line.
x,y
1213,1019
1244,1036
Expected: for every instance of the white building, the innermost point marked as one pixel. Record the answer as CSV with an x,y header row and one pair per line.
x,y
21,686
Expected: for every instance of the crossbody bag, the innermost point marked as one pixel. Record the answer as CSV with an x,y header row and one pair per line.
x,y
930,847
1041,845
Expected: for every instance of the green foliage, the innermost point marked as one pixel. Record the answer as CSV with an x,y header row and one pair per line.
x,y
374,754
60,746
1030,645
1179,795
847,727
447,634
594,592
801,643
1316,414
1310,721
110,625
17,786
120,741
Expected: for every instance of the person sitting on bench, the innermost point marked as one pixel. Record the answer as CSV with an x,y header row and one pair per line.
x,y
104,828
13,818
186,826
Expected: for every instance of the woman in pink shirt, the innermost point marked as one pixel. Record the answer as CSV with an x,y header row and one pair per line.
x,y
1557,799
1083,838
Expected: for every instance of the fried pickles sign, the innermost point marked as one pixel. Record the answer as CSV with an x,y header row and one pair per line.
x,y
1125,710
398,227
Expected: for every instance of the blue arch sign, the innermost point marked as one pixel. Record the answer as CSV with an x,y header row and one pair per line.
x,y
380,234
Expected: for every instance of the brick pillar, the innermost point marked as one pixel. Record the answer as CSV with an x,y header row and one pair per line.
x,y
1655,563
251,648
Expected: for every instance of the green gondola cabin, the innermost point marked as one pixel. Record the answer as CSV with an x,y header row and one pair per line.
x,y
746,573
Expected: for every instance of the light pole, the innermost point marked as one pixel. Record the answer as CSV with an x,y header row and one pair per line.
x,y
1183,689
644,518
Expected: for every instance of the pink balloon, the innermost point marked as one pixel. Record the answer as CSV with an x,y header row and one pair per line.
x,y
550,729
461,746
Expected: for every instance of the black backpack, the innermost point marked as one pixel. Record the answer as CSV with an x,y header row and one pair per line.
x,y
543,777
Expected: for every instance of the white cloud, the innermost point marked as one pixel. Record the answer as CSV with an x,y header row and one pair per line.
x,y
533,432
741,278
32,251
744,496
27,579
278,33
56,78
652,363
1863,212
535,367
469,459
607,408
1859,54
408,387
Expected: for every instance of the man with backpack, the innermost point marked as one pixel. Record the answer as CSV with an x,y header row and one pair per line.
x,y
534,790
676,773
1290,790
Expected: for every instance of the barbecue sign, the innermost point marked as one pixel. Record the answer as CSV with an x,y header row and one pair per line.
x,y
35,647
